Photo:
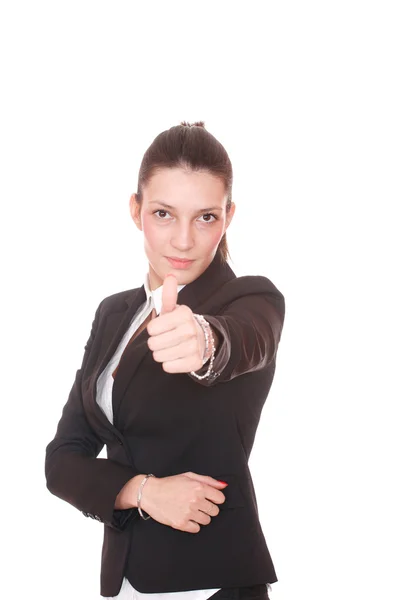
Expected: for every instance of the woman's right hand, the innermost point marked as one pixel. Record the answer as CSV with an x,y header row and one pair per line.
x,y
183,501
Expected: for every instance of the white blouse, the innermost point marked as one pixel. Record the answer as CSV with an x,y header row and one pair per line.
x,y
104,399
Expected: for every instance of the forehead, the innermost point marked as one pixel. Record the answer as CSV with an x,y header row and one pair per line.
x,y
174,184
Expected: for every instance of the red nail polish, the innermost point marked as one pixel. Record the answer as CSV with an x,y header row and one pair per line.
x,y
224,482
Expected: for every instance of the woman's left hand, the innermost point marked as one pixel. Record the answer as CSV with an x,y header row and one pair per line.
x,y
176,338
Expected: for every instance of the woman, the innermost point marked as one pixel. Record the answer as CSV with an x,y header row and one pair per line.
x,y
173,381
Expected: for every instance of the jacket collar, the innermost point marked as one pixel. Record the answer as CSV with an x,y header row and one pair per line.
x,y
192,294
155,296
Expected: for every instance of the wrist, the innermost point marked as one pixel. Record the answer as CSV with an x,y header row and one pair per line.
x,y
200,331
127,497
215,337
208,345
148,493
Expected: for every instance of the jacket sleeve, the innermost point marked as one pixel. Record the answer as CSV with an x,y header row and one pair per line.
x,y
249,330
73,471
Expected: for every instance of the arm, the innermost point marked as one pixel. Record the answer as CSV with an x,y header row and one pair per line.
x,y
73,471
249,330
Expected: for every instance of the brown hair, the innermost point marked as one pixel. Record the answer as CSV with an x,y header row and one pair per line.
x,y
192,147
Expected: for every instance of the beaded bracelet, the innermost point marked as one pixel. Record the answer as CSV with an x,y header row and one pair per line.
x,y
139,497
208,336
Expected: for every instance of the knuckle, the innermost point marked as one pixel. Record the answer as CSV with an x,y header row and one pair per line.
x,y
192,503
184,310
199,493
187,310
187,331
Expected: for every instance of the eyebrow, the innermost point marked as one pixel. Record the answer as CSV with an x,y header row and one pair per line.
x,y
173,208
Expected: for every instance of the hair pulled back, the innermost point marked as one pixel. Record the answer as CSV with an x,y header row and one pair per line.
x,y
190,147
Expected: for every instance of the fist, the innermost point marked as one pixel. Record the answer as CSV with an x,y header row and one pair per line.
x,y
175,337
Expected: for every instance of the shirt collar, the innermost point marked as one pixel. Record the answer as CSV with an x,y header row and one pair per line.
x,y
156,295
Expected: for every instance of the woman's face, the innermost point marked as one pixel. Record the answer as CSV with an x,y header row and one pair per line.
x,y
182,216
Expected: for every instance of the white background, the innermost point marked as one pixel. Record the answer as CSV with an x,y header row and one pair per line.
x,y
305,98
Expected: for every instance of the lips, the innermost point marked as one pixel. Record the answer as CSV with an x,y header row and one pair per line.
x,y
180,259
179,263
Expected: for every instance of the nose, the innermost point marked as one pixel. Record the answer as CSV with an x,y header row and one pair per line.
x,y
183,238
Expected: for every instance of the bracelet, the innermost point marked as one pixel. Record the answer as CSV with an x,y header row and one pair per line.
x,y
208,336
139,497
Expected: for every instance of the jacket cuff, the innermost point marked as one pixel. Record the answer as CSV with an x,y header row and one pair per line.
x,y
122,518
91,485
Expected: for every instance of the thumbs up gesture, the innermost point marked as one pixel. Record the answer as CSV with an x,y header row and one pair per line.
x,y
175,337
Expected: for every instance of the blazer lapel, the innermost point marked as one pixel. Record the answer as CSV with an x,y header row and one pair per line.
x,y
194,295
114,328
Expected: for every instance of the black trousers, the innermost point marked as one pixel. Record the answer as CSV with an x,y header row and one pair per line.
x,y
252,592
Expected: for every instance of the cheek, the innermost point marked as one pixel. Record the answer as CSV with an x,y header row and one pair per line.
x,y
215,236
150,231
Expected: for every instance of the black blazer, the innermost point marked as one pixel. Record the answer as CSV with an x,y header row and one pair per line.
x,y
166,424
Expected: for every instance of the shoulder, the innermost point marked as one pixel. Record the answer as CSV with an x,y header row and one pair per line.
x,y
117,301
251,286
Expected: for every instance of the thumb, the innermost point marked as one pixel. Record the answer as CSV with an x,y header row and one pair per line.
x,y
206,479
169,293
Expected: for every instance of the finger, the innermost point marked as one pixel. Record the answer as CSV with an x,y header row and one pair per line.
x,y
209,508
171,335
192,527
169,293
202,518
205,479
169,351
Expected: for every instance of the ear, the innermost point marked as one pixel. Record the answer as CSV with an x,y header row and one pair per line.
x,y
134,208
229,215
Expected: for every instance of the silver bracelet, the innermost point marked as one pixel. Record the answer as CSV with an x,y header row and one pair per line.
x,y
205,325
139,497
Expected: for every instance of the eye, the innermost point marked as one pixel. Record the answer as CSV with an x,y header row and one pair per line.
x,y
161,210
212,215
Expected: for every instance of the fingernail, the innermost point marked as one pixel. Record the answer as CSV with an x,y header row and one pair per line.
x,y
220,481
